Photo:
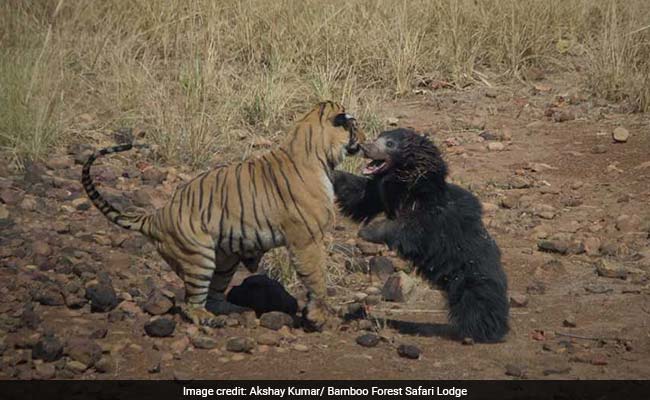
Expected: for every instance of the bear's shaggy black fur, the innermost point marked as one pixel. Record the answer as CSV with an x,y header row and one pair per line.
x,y
435,224
263,294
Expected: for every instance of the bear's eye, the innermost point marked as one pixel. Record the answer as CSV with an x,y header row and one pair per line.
x,y
390,144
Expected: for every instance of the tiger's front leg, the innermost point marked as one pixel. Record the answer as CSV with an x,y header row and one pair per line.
x,y
309,261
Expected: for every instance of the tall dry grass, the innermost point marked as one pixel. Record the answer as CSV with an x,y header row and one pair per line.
x,y
198,75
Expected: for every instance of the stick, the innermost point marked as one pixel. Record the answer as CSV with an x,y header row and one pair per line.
x,y
571,335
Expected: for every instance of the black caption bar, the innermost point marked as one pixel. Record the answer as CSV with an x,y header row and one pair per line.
x,y
200,390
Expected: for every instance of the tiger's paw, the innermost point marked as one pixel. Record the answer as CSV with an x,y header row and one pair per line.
x,y
318,316
199,316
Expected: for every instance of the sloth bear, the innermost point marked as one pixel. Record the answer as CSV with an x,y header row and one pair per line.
x,y
435,224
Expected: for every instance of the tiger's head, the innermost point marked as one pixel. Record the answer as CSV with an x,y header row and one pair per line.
x,y
327,132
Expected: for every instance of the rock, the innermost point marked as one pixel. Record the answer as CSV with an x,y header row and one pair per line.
x,y
620,134
45,371
365,325
626,223
248,319
182,376
4,213
510,202
537,288
516,370
489,135
468,341
592,246
153,175
599,149
373,290
240,345
409,351
86,351
562,116
392,121
102,297
554,246
41,248
275,320
519,182
11,197
576,248
381,267
491,93
29,203
123,135
33,173
518,300
99,333
300,347
157,304
607,269
398,287
204,342
368,340
154,368
489,208
160,327
81,204
609,248
263,295
373,299
49,348
49,295
359,296
368,248
560,370
495,146
76,367
599,359
598,289
569,321
268,339
180,345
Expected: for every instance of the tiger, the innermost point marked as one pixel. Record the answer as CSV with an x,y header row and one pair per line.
x,y
234,213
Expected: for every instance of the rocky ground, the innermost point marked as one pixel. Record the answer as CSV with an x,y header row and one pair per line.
x,y
564,183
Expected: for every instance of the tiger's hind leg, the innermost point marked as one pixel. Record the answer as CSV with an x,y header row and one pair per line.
x,y
216,300
309,261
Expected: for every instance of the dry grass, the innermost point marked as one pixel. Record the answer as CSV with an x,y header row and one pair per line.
x,y
198,75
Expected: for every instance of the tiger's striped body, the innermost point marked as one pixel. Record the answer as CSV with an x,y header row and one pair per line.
x,y
236,213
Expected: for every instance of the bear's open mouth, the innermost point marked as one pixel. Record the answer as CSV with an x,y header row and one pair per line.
x,y
375,166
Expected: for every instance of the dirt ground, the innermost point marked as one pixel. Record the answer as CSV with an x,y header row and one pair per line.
x,y
567,205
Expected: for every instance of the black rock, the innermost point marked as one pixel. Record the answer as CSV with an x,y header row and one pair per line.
x,y
102,297
409,351
275,320
381,267
48,348
263,295
160,327
368,340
